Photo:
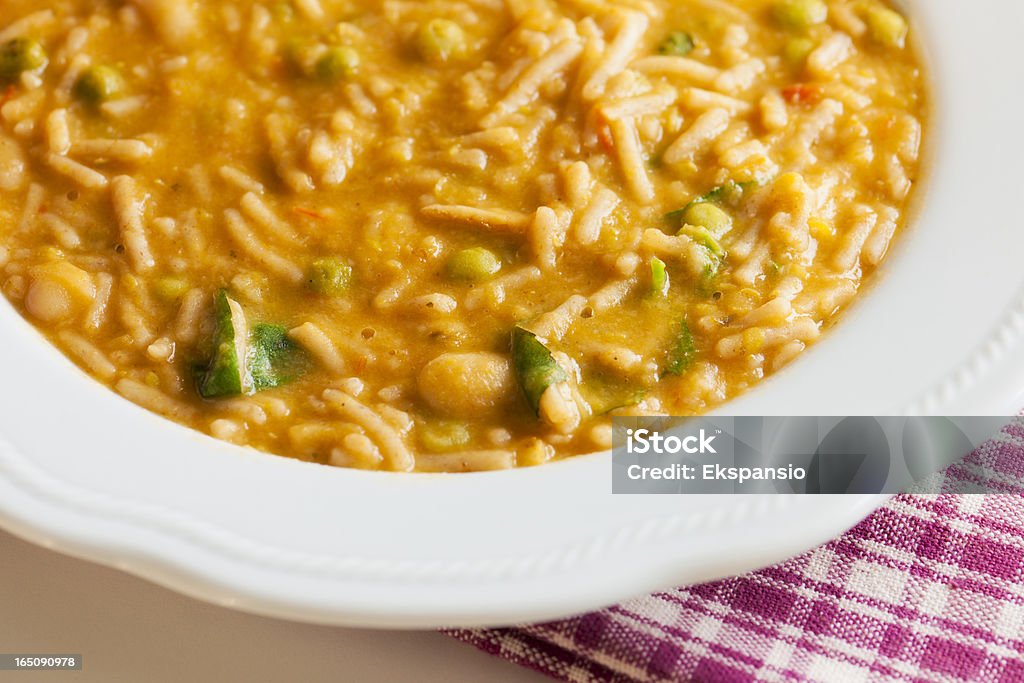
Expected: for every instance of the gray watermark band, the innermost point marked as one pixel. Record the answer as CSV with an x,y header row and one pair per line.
x,y
794,455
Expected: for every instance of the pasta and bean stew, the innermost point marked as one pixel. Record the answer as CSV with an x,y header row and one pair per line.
x,y
446,235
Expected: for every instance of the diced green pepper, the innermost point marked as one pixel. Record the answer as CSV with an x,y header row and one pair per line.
x,y
19,55
704,221
473,265
887,26
536,369
245,361
730,194
677,44
711,269
228,374
97,84
683,352
336,63
274,359
703,236
800,14
439,41
443,437
329,276
604,395
659,277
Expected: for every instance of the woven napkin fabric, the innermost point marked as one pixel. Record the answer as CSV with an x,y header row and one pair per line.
x,y
928,588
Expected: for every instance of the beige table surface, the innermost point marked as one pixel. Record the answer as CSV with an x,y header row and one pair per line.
x,y
129,630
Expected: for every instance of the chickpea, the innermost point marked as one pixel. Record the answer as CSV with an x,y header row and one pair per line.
x,y
48,300
465,385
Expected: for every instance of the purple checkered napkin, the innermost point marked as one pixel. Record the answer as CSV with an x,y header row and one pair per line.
x,y
928,588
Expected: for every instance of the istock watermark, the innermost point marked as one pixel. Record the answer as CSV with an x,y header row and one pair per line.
x,y
647,441
802,455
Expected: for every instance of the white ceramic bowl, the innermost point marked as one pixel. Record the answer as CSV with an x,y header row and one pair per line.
x,y
83,471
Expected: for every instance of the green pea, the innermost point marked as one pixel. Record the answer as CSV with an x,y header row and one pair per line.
x,y
473,265
97,84
707,215
337,63
800,14
329,276
797,49
677,44
19,55
442,437
886,26
171,288
439,41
